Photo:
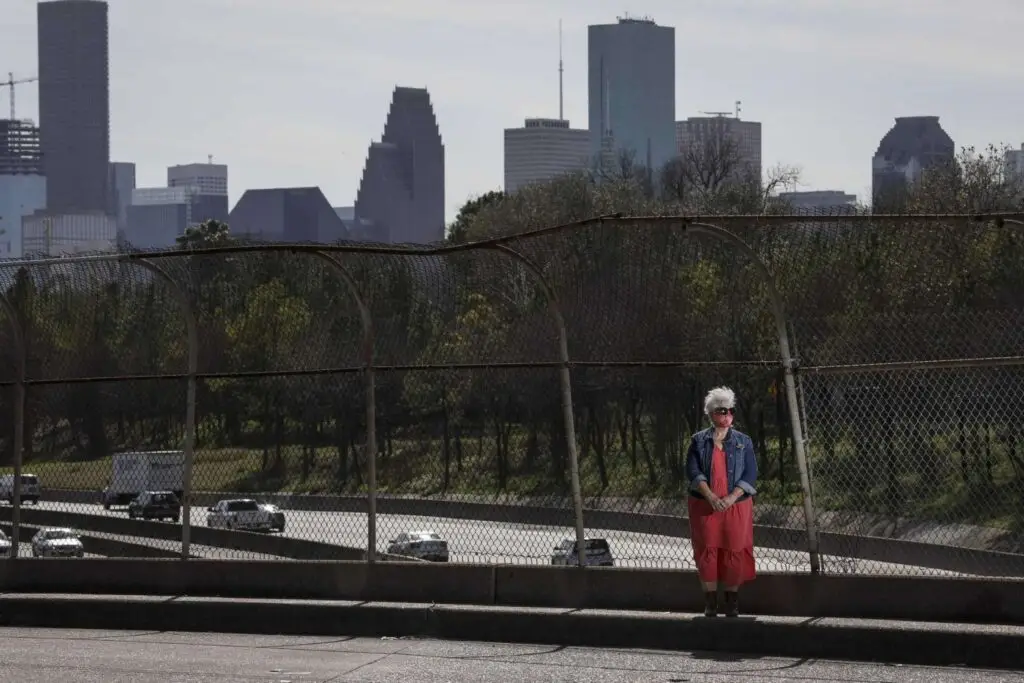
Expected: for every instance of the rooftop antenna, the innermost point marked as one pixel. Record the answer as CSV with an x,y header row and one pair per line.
x,y
738,108
561,96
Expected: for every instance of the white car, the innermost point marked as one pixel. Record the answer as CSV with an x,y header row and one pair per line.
x,y
57,542
241,514
423,545
5,545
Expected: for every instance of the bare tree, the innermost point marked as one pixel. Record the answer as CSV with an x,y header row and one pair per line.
x,y
711,175
710,162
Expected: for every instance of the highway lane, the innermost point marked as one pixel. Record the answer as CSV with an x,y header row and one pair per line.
x,y
480,542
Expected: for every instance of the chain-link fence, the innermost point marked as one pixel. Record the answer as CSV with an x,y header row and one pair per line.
x,y
415,399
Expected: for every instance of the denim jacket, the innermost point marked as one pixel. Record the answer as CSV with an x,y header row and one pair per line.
x,y
740,463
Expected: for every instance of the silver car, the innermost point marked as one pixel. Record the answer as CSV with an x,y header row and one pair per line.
x,y
422,545
242,514
57,542
598,553
276,516
5,545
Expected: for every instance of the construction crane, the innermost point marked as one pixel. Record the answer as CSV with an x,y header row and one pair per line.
x,y
739,104
10,83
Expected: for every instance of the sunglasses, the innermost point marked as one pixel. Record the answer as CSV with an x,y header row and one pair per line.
x,y
724,411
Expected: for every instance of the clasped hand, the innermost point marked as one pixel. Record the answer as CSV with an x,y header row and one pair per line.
x,y
721,504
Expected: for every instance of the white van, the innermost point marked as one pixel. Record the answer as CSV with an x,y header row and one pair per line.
x,y
29,488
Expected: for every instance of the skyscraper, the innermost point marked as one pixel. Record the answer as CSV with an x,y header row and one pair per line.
x,y
22,185
912,146
1014,161
209,183
543,149
74,104
211,178
632,91
401,194
121,183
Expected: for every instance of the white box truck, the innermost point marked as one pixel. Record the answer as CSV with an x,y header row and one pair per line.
x,y
29,488
135,472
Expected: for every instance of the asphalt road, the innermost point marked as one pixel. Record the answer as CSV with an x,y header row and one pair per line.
x,y
478,542
45,655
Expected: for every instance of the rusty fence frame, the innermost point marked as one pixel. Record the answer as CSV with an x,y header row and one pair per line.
x,y
713,226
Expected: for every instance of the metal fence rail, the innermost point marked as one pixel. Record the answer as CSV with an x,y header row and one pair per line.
x,y
518,392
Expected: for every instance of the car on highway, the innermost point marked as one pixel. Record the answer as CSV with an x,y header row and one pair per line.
x,y
5,545
597,553
276,516
29,488
422,545
159,505
57,542
241,514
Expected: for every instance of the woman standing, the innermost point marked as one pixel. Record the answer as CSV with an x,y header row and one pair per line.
x,y
722,470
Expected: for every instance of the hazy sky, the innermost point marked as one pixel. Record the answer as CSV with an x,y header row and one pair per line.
x,y
291,92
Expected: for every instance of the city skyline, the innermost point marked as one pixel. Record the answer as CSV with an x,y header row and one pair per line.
x,y
300,107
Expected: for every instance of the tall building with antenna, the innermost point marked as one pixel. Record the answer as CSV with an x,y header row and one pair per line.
x,y
631,84
544,148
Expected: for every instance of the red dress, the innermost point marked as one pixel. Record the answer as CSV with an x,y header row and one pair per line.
x,y
723,542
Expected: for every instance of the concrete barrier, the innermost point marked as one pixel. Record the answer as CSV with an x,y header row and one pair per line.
x,y
899,643
803,639
100,545
919,599
929,555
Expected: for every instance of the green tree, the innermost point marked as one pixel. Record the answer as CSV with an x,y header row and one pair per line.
x,y
209,233
459,230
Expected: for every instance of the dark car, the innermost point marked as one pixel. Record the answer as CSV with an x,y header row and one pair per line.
x,y
155,505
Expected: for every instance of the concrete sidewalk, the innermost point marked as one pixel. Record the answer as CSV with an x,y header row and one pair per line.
x,y
101,656
919,643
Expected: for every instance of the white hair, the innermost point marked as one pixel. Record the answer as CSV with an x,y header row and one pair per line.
x,y
719,397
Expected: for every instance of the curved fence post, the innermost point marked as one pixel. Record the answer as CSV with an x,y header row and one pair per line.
x,y
565,380
20,351
789,374
192,329
342,273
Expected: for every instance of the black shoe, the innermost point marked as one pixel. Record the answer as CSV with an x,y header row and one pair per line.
x,y
711,604
732,604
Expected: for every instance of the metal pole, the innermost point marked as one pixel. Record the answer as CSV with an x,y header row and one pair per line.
x,y
371,400
192,329
789,375
18,339
565,381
